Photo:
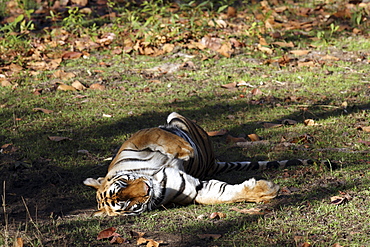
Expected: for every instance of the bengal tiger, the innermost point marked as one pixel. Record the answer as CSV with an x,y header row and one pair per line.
x,y
168,164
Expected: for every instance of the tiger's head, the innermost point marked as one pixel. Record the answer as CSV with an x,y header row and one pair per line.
x,y
122,194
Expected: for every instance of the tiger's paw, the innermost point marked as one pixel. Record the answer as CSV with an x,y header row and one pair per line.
x,y
177,148
259,191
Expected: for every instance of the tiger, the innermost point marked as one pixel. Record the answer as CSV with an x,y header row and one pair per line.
x,y
169,164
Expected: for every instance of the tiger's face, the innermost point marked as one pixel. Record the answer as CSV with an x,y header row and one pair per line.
x,y
122,194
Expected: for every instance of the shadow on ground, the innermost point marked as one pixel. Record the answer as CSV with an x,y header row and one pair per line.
x,y
47,189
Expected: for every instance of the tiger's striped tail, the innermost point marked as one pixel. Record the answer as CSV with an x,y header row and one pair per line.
x,y
224,167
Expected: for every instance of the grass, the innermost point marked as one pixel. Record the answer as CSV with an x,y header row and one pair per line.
x,y
48,175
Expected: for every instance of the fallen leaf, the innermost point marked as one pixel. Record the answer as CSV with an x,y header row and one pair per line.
x,y
230,85
209,236
153,243
64,87
5,83
63,75
117,239
220,132
271,125
97,86
299,52
254,137
167,48
265,49
365,129
43,110
217,215
18,242
226,50
284,44
78,85
71,55
231,139
337,200
256,91
309,122
141,240
253,211
58,138
107,233
8,148
231,12
328,57
306,64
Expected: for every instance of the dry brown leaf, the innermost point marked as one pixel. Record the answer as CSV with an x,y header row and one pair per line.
x,y
254,137
63,75
230,85
64,87
271,125
209,236
58,138
265,49
71,55
136,234
310,122
306,64
43,110
284,44
253,211
82,3
141,240
226,50
5,83
97,86
299,52
212,43
364,128
328,57
78,85
217,215
167,48
107,233
8,148
231,139
256,91
15,67
231,12
117,239
220,132
337,200
18,242
152,243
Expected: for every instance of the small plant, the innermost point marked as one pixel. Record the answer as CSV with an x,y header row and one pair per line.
x,y
22,24
74,19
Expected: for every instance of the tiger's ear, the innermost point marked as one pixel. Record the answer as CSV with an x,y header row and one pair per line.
x,y
96,183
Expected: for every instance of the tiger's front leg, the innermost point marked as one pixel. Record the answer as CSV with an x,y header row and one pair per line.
x,y
215,192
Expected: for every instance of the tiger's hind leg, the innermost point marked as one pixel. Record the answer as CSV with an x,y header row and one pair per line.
x,y
215,192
